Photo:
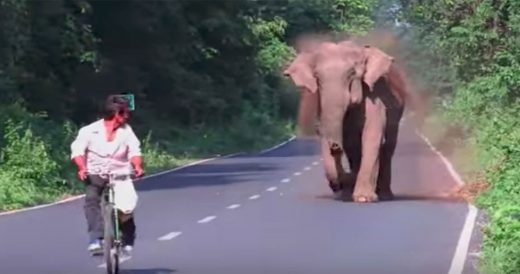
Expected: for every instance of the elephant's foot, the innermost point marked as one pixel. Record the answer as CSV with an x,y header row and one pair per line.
x,y
335,186
346,196
364,196
347,186
336,190
386,195
346,193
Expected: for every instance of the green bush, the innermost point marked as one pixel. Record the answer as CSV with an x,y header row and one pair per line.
x,y
488,108
502,238
29,174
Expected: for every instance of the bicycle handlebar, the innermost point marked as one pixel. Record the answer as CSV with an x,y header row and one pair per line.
x,y
132,175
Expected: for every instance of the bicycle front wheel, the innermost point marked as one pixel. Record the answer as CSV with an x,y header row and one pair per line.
x,y
110,249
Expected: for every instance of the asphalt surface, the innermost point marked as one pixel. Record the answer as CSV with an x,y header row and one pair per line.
x,y
252,214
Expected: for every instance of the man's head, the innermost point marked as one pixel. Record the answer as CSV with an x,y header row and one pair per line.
x,y
116,109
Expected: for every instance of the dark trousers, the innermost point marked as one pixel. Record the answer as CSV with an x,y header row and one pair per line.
x,y
93,191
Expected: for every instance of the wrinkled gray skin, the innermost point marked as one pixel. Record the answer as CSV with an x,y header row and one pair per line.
x,y
359,96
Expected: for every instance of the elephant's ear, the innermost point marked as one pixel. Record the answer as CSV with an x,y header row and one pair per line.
x,y
405,91
397,82
300,72
377,64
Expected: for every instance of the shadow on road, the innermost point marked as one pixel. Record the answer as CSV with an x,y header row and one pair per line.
x,y
310,147
412,197
401,198
241,168
211,174
148,271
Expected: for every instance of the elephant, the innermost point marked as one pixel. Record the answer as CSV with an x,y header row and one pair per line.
x,y
357,93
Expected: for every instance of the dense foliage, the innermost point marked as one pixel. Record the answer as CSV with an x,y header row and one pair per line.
x,y
206,75
474,51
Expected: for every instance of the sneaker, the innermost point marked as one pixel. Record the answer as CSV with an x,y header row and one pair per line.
x,y
127,250
94,246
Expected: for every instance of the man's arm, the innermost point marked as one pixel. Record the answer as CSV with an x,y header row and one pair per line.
x,y
134,152
78,148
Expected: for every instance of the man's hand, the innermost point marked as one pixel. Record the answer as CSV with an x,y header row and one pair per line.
x,y
79,161
137,162
82,174
139,171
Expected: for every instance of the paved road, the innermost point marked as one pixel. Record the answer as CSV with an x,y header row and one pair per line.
x,y
259,213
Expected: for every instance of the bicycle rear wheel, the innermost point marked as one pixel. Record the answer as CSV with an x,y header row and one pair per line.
x,y
111,252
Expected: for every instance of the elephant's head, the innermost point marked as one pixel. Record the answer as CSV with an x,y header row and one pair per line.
x,y
331,77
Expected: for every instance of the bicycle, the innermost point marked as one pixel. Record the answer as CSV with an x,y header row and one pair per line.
x,y
112,243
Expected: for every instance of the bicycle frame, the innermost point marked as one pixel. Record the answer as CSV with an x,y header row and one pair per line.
x,y
108,197
112,245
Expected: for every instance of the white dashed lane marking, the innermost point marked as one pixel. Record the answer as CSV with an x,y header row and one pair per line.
x,y
169,236
207,219
315,163
233,206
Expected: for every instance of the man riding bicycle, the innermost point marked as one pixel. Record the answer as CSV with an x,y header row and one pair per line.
x,y
107,145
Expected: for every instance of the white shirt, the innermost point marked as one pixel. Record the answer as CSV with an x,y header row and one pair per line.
x,y
102,156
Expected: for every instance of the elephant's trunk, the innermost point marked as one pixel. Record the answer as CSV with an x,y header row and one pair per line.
x,y
334,100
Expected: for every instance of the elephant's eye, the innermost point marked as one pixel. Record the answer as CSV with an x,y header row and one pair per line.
x,y
351,71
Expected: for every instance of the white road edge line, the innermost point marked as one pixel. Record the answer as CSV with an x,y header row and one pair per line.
x,y
444,160
273,188
77,197
461,251
233,206
207,219
279,145
254,197
169,236
286,180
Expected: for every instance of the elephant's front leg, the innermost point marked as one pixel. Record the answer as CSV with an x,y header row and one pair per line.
x,y
383,189
352,144
375,120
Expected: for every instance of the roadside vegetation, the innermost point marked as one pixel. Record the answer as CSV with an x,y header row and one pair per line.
x,y
468,55
206,76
